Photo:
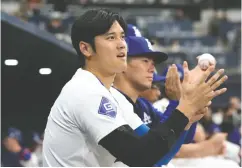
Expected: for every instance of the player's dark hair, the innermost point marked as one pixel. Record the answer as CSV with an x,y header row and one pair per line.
x,y
93,23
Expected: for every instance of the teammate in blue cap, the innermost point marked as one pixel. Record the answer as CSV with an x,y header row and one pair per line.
x,y
143,108
140,50
132,30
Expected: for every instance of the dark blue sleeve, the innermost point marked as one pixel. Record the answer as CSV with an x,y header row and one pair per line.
x,y
175,148
191,133
163,117
170,108
143,129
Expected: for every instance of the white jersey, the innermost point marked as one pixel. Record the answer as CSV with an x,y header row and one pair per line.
x,y
83,114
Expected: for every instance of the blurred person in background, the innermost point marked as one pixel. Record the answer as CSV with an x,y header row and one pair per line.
x,y
33,11
30,11
218,116
55,24
232,120
232,117
179,15
234,111
209,125
33,141
13,154
219,17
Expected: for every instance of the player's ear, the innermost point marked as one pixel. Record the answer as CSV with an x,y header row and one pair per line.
x,y
86,49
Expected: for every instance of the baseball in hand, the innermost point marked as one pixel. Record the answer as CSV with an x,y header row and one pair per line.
x,y
205,60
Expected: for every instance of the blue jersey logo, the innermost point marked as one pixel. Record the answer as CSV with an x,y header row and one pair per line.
x,y
107,108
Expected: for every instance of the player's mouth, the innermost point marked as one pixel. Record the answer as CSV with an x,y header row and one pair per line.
x,y
121,55
150,78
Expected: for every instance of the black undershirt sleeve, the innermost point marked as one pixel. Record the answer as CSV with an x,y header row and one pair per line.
x,y
145,151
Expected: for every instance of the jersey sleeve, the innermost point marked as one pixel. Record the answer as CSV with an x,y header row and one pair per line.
x,y
180,141
98,116
170,108
175,148
191,133
163,117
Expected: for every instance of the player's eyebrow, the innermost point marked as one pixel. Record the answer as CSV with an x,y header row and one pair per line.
x,y
113,33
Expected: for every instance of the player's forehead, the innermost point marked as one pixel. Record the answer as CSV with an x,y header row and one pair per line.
x,y
142,57
116,28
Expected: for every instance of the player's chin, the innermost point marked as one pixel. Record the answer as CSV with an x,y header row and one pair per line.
x,y
147,85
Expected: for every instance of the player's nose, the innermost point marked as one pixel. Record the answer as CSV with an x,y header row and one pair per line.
x,y
121,45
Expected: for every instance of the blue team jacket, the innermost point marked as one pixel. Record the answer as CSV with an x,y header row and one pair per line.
x,y
150,116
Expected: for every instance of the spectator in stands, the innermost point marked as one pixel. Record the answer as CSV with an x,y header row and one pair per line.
x,y
59,5
215,23
57,27
235,105
213,26
30,11
232,120
208,124
217,116
236,44
55,24
175,46
179,15
13,153
33,141
21,13
233,111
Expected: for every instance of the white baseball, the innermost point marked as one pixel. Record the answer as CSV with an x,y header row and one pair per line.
x,y
205,60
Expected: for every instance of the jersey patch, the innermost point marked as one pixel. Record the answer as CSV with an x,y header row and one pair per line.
x,y
147,119
107,108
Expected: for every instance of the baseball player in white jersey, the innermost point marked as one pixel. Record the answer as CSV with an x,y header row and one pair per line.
x,y
88,127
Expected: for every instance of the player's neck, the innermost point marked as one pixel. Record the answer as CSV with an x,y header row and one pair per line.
x,y
105,78
127,89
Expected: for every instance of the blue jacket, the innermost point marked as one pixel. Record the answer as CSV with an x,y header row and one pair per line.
x,y
151,116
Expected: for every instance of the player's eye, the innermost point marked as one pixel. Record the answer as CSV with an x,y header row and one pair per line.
x,y
145,60
110,37
123,36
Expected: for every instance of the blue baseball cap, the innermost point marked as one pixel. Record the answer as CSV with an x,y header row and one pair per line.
x,y
179,69
133,31
158,78
15,133
140,46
